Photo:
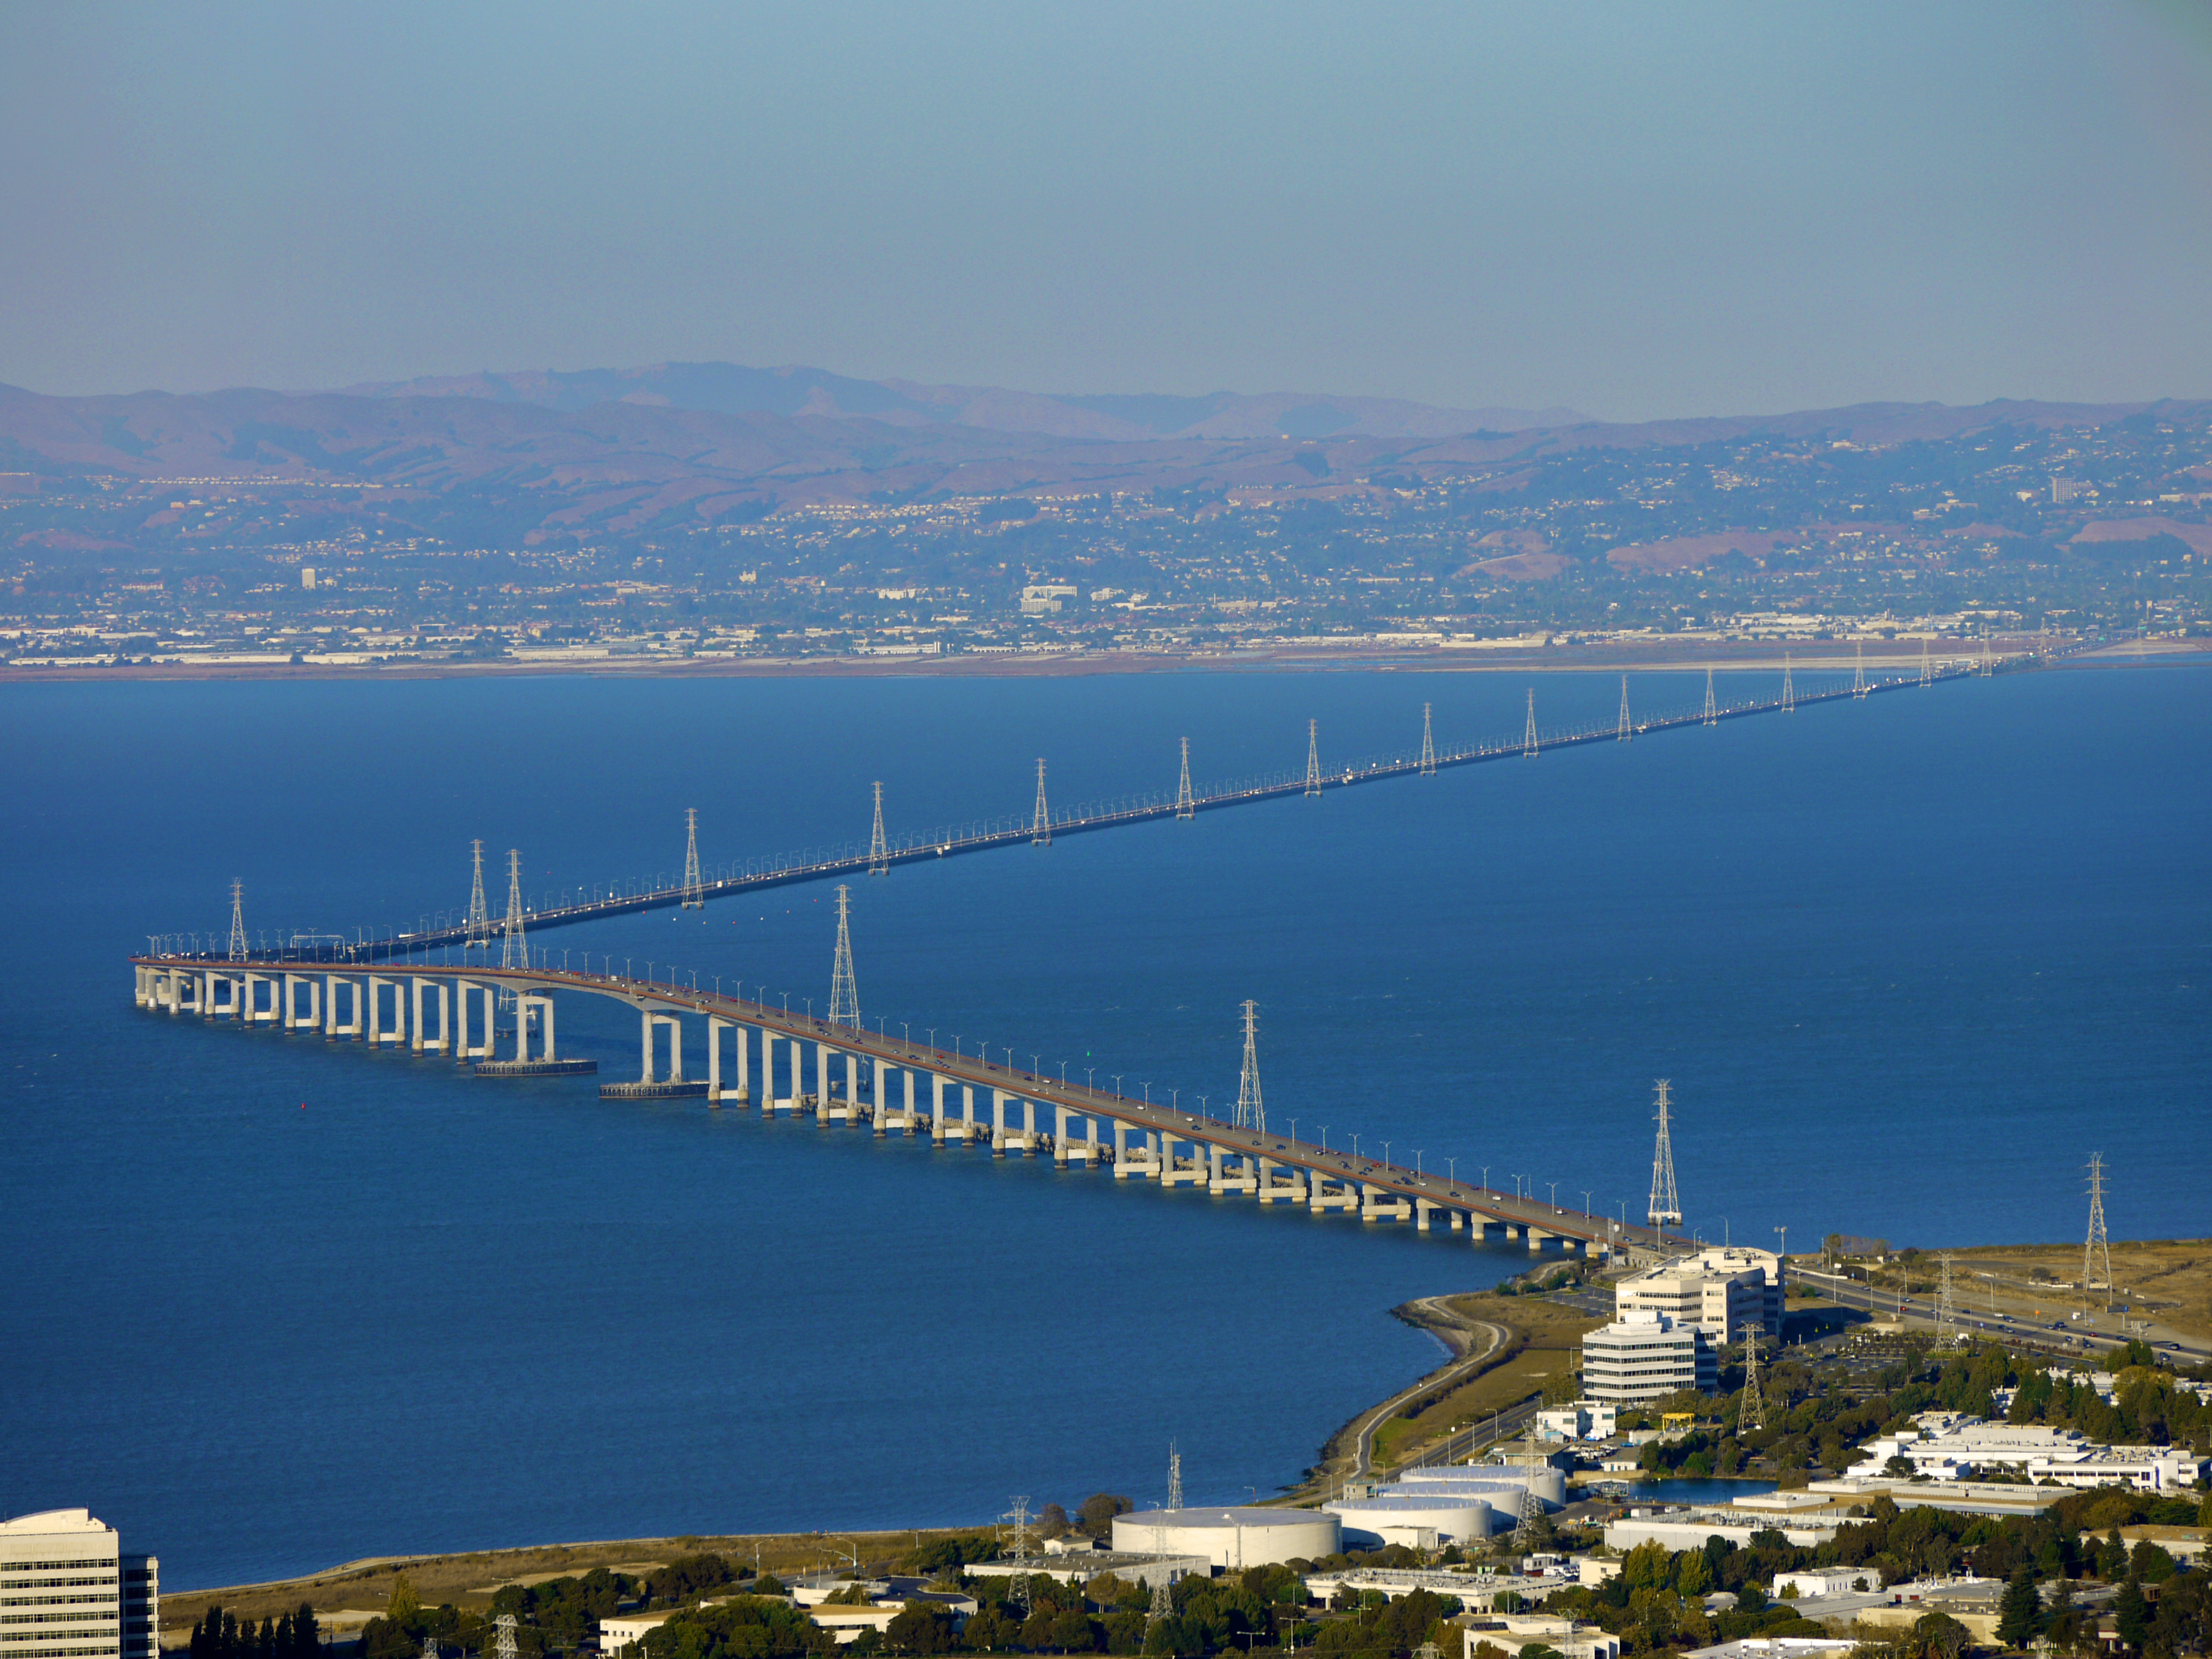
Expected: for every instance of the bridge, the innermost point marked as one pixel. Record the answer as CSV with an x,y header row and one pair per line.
x,y
955,1100
1044,824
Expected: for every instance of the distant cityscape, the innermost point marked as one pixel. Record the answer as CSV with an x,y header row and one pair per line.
x,y
1573,536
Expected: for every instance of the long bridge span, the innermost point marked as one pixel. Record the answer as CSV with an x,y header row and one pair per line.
x,y
955,1100
976,837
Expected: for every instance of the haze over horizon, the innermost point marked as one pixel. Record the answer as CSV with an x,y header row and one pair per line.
x,y
1637,214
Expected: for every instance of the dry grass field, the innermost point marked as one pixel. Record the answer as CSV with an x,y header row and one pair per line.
x,y
2169,1280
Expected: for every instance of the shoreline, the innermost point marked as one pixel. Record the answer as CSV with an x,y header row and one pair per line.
x,y
1827,657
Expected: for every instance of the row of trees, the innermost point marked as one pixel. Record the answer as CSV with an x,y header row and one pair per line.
x,y
220,1635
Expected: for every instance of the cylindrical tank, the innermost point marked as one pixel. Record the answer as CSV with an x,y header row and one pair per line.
x,y
1499,1482
1231,1538
1399,1517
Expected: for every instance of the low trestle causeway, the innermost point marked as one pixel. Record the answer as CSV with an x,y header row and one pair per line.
x,y
761,1057
1044,824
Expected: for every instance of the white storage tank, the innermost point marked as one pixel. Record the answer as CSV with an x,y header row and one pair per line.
x,y
1500,1483
1423,1520
1233,1538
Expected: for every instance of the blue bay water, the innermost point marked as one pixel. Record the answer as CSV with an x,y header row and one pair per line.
x,y
270,1303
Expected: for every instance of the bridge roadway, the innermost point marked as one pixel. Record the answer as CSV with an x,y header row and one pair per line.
x,y
1221,1157
945,844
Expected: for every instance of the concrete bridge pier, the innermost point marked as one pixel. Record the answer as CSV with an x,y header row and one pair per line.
x,y
649,1032
912,1115
997,1123
487,997
293,1022
715,1026
1142,1163
1536,1237
966,1125
1272,1191
250,1011
441,1042
1174,1174
1380,1204
852,1086
525,1005
1233,1172
1028,1128
356,1025
937,1108
374,1009
1423,1209
744,1097
1344,1198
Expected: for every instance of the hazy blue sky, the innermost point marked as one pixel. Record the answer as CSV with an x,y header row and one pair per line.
x,y
1638,211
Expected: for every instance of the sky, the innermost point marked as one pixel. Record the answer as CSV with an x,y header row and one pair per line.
x,y
1638,211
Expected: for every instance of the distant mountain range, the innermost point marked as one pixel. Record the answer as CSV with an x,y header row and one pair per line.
x,y
619,452
728,389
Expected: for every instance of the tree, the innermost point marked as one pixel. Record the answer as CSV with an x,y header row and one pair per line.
x,y
2020,1611
1939,1636
1098,1511
403,1605
1052,1521
2131,1615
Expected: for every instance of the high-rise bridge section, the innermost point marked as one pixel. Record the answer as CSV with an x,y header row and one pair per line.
x,y
779,1062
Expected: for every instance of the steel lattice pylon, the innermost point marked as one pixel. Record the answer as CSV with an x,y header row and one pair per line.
x,y
1789,691
1528,739
1041,823
479,913
1711,717
1858,676
879,852
1428,746
2097,1245
238,950
1312,758
1665,1205
1250,1114
513,952
1750,1410
503,1644
1184,807
1927,674
1627,729
1947,1310
695,896
844,994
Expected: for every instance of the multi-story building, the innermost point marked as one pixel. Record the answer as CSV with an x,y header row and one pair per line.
x,y
1727,1291
67,1591
1646,1355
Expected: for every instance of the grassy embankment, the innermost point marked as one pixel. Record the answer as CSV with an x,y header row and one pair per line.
x,y
2168,1281
1539,1358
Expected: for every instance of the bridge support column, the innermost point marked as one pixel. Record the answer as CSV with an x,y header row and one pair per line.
x,y
1090,1140
436,988
967,1113
525,1005
1423,1209
997,1123
911,1115
1536,1238
715,1026
852,1086
744,1080
487,999
1059,1135
1028,1128
937,1108
649,1022
821,1084
355,1027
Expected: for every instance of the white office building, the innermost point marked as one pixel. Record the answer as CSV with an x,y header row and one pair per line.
x,y
1582,1420
1956,1446
1647,1356
1729,1291
67,1591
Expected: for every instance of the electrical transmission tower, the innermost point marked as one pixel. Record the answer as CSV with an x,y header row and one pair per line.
x,y
430,1647
880,851
1789,691
2097,1245
1665,1205
1988,662
1750,1410
1711,719
479,915
1162,1607
238,952
1530,1509
1312,758
1926,677
503,1644
1528,739
844,994
1249,1113
1428,745
1174,1477
1018,1551
1184,809
695,896
1041,823
512,952
1626,729
1946,1311
1858,677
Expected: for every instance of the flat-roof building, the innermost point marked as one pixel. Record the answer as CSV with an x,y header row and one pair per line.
x,y
1648,1356
71,1593
1729,1291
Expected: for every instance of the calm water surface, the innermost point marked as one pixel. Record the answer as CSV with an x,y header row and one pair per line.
x,y
268,1304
